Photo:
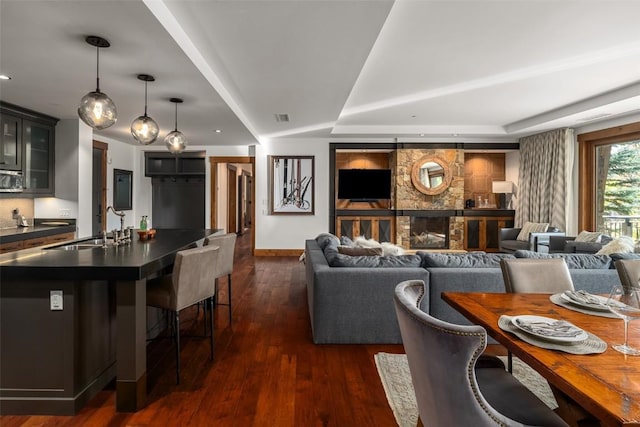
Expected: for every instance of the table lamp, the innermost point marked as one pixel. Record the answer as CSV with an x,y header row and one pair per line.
x,y
504,189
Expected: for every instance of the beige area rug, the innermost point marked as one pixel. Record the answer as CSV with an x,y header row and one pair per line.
x,y
396,380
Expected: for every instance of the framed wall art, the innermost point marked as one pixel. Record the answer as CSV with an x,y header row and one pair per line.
x,y
291,181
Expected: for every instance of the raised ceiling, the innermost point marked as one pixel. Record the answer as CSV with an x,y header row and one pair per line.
x,y
479,70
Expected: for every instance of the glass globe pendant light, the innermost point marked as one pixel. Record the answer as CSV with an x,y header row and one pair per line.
x,y
96,108
175,141
144,129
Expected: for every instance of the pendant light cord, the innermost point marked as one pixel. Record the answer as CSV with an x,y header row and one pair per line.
x,y
176,117
97,69
145,98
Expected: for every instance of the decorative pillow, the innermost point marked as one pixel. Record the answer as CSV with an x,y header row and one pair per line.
x,y
589,236
624,244
346,241
389,249
324,239
531,227
469,260
574,261
363,242
355,251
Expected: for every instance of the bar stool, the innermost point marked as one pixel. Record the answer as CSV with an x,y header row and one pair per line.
x,y
227,244
188,284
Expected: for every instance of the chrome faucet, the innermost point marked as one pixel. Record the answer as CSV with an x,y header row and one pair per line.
x,y
118,236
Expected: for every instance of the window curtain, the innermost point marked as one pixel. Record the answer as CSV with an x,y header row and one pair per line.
x,y
545,165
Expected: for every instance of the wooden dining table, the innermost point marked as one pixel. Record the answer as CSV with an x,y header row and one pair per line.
x,y
606,385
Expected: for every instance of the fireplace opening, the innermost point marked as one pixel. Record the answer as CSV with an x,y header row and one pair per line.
x,y
429,232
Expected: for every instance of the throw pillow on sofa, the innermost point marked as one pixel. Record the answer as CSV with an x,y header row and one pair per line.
x,y
588,236
531,227
574,261
355,251
624,244
469,260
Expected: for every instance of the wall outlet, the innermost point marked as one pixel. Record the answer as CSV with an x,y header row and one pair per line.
x,y
55,300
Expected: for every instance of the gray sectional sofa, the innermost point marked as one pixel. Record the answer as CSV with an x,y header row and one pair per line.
x,y
351,297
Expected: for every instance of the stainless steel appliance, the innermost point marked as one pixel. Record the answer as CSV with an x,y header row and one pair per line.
x,y
10,181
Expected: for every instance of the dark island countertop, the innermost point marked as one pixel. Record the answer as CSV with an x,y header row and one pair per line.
x,y
130,261
42,227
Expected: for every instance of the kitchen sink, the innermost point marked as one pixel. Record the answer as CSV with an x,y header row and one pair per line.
x,y
81,245
76,247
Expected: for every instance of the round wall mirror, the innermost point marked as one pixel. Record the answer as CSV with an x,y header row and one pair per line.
x,y
431,175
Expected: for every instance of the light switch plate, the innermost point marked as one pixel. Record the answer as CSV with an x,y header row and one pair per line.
x,y
56,300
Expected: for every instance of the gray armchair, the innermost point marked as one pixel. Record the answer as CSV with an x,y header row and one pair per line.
x,y
538,242
568,245
451,388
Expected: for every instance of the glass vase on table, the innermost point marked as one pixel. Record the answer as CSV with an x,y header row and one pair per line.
x,y
625,303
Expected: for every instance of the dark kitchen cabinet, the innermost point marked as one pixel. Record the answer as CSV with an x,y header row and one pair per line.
x,y
28,145
11,143
166,164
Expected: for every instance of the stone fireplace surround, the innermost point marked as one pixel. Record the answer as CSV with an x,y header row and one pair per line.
x,y
408,202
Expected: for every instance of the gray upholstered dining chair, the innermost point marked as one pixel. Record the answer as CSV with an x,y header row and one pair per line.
x,y
536,276
451,389
227,244
629,272
188,284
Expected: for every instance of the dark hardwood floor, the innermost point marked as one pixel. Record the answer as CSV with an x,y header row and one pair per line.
x,y
267,371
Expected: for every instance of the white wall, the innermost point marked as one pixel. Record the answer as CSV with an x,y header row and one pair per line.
x,y
290,231
120,155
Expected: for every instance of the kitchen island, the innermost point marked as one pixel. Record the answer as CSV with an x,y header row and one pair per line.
x,y
69,312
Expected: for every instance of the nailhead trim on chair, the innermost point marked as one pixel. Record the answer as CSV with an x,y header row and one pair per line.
x,y
476,354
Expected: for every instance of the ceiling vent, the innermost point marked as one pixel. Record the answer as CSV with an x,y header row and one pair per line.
x,y
282,118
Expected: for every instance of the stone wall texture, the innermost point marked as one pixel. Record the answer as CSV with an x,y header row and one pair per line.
x,y
408,197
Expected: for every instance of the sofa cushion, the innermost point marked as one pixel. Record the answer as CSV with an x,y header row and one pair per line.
x,y
618,256
514,245
476,260
355,251
531,227
324,239
574,261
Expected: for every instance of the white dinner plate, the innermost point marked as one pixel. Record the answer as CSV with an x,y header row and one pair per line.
x,y
549,329
585,304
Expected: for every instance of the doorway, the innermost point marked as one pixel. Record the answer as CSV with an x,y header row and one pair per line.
x,y
216,192
99,187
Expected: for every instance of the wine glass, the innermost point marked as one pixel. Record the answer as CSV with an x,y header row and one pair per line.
x,y
626,304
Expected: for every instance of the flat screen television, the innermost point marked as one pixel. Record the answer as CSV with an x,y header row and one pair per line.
x,y
364,184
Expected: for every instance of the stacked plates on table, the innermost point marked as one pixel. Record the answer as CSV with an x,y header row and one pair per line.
x,y
545,328
585,300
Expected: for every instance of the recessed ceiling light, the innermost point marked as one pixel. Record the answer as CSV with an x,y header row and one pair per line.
x,y
4,77
422,134
282,117
413,116
454,134
218,130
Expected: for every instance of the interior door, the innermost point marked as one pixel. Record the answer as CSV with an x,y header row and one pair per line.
x,y
232,199
248,207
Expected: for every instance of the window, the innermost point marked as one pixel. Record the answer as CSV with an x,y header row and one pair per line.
x,y
609,179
